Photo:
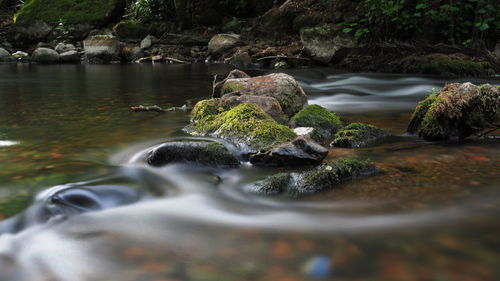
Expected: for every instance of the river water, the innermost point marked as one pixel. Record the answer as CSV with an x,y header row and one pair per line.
x,y
431,215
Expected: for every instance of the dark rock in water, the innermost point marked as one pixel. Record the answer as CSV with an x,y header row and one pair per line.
x,y
457,110
201,153
357,135
61,202
317,117
275,184
327,176
300,151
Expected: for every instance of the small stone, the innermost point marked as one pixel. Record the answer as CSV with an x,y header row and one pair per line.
x,y
5,56
63,48
147,42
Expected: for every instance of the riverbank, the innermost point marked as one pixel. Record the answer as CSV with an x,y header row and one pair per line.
x,y
290,35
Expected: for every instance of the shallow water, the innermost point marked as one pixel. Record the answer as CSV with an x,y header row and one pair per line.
x,y
430,216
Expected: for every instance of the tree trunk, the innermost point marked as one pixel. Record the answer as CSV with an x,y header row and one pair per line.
x,y
183,11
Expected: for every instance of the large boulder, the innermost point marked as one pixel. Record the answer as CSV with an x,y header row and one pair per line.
x,y
5,56
300,151
317,117
357,135
222,43
199,152
132,30
326,42
70,56
45,55
327,176
37,18
456,111
246,126
101,49
283,87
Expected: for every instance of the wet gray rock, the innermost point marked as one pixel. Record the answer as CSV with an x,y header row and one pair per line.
x,y
45,55
198,152
5,56
326,42
63,48
70,56
222,43
102,49
147,42
300,151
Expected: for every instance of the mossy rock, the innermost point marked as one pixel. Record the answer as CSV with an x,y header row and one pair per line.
x,y
204,153
456,111
68,11
206,108
317,117
275,184
280,86
247,126
357,135
131,29
452,65
325,177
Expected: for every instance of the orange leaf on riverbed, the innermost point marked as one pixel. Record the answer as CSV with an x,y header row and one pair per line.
x,y
480,158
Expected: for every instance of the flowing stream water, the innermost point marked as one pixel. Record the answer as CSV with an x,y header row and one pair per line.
x,y
431,215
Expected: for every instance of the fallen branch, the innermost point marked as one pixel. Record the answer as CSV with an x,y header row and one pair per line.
x,y
154,108
282,57
175,60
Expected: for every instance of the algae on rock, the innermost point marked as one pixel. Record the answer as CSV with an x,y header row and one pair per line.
x,y
247,126
317,117
457,110
325,177
357,135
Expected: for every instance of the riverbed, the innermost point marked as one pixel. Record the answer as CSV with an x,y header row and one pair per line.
x,y
431,215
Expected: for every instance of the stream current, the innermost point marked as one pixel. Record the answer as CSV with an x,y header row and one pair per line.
x,y
432,214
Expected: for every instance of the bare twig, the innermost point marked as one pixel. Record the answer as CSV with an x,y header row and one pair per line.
x,y
282,57
154,108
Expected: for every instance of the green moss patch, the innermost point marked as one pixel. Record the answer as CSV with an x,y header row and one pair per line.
x,y
66,11
206,108
246,123
458,110
133,29
318,117
357,135
326,177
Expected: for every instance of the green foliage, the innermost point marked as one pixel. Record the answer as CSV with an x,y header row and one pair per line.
x,y
463,22
151,10
67,11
